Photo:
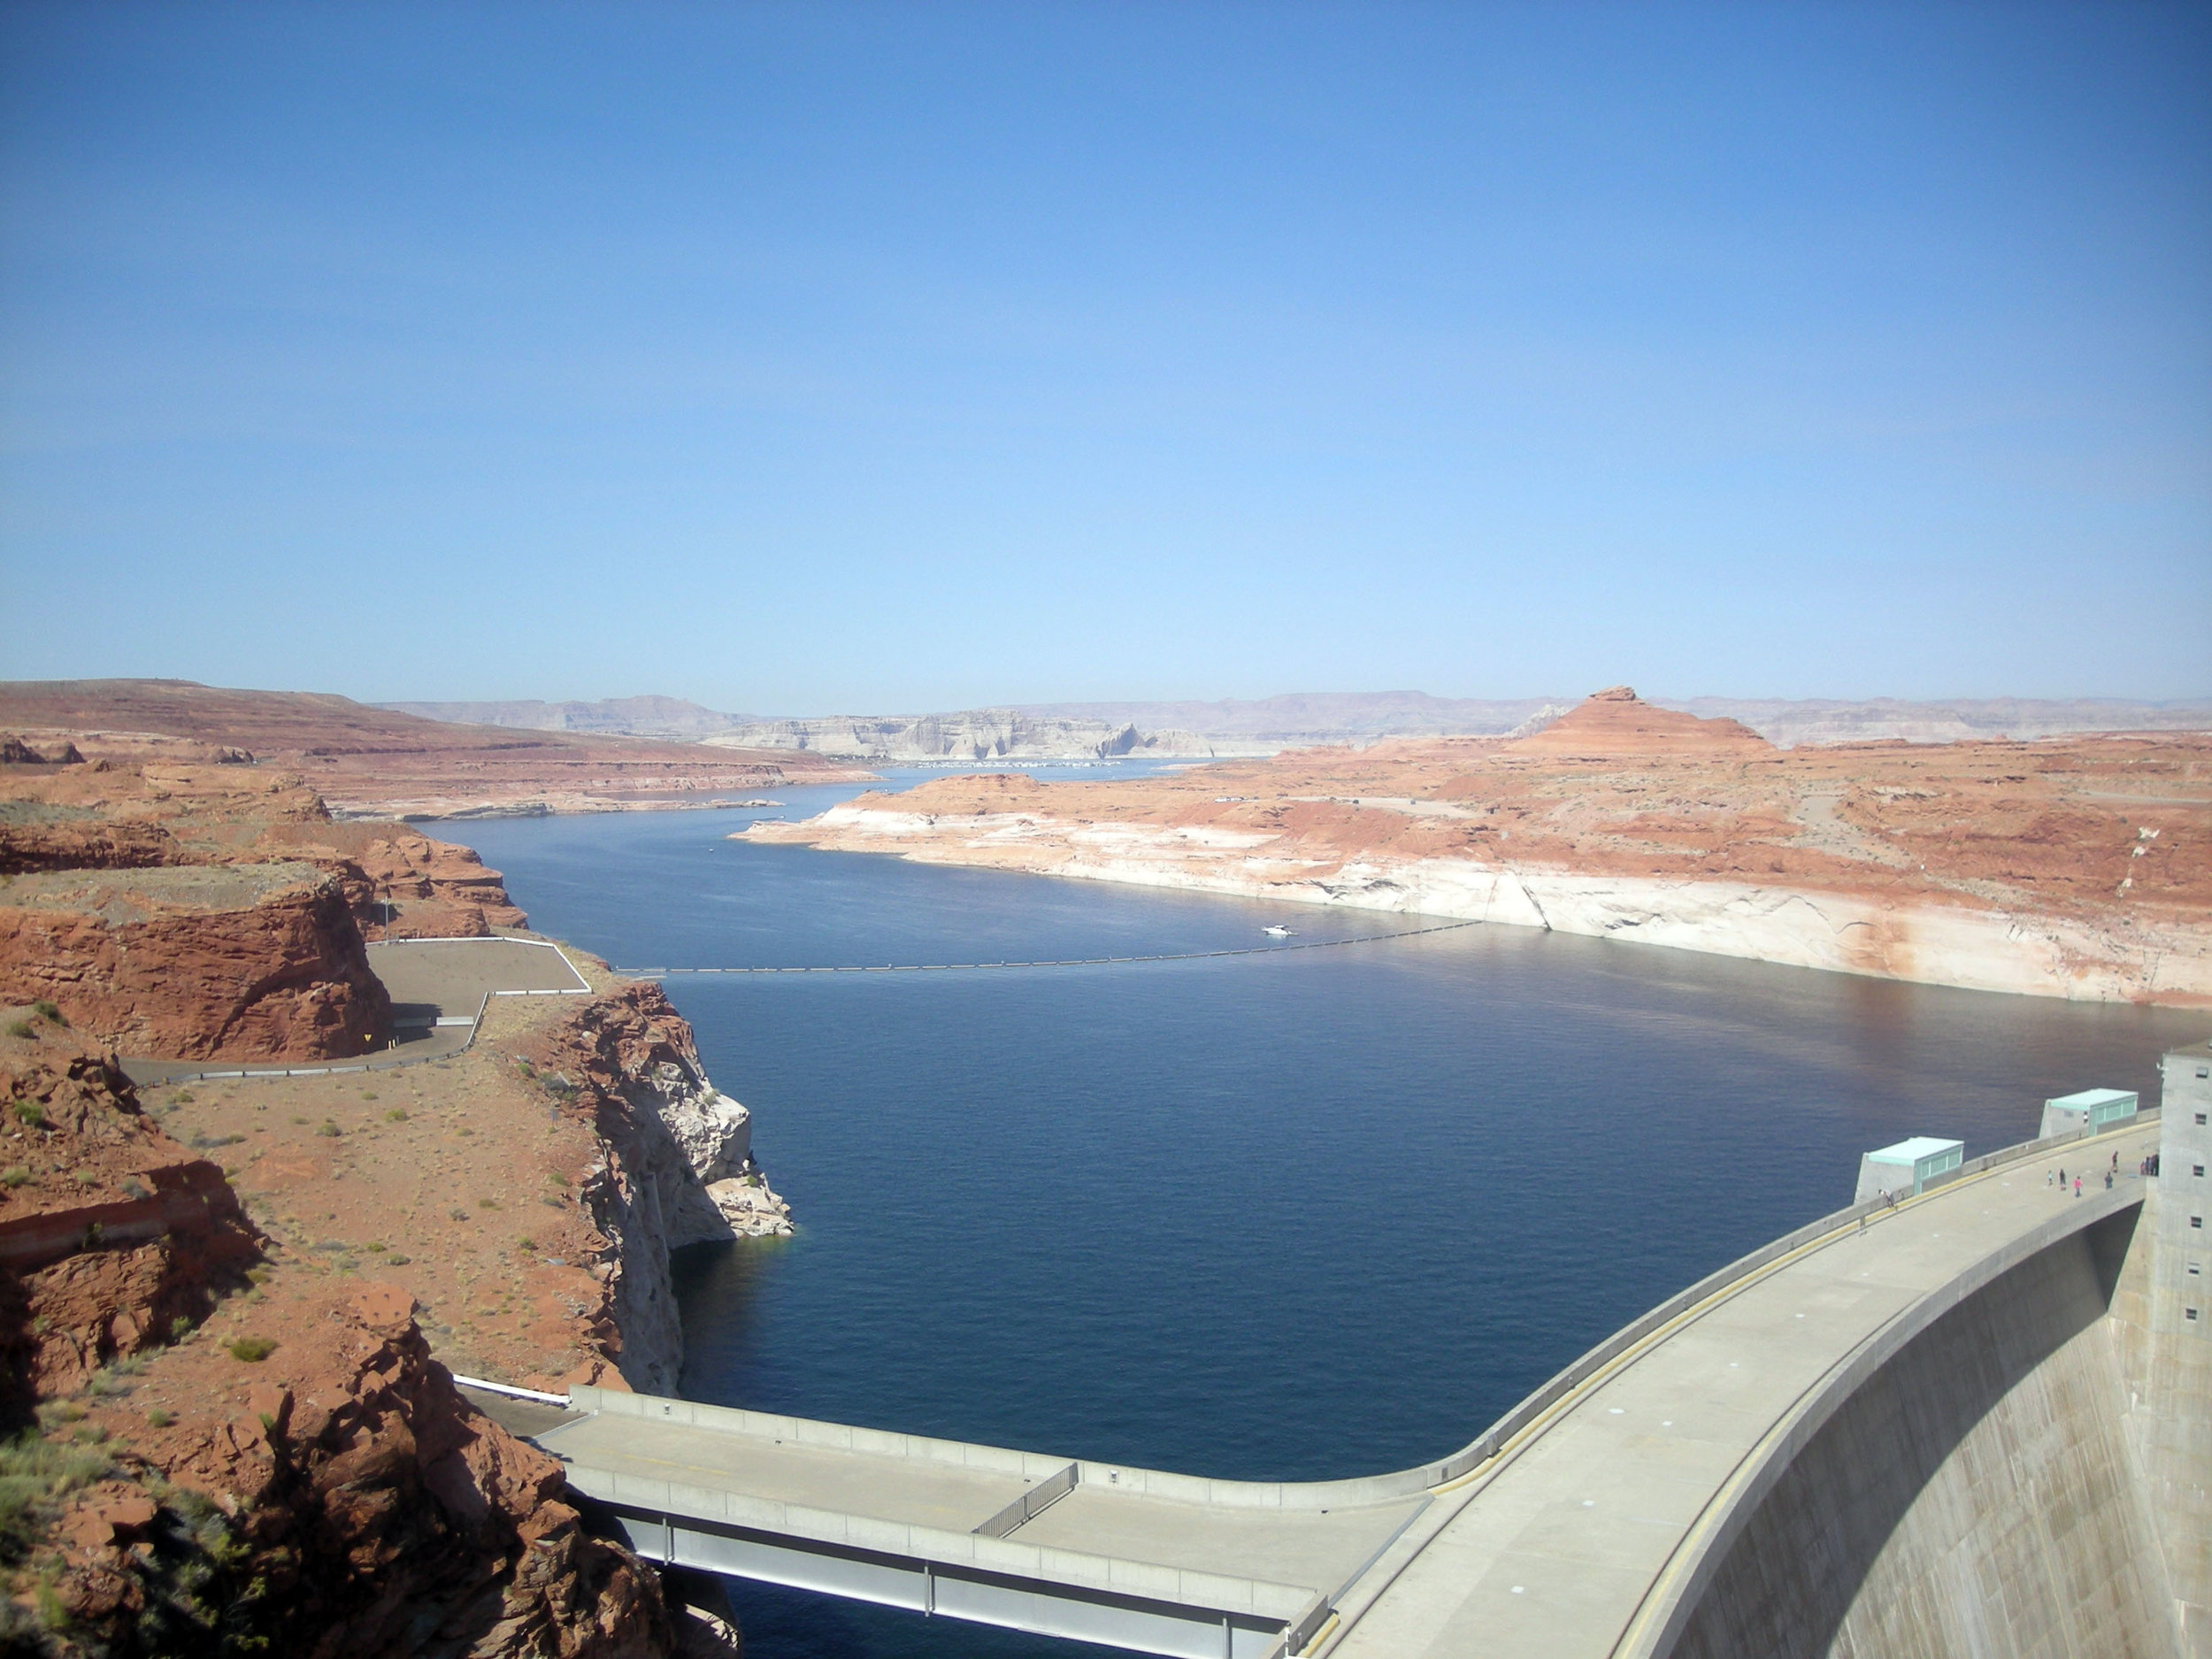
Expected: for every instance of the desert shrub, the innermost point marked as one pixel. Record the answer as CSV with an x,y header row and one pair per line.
x,y
20,1028
329,1130
397,1115
182,1097
34,1474
252,1349
15,1175
158,1418
30,1113
48,1012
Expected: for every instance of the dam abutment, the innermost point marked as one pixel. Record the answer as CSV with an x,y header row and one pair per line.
x,y
2027,1470
1972,1492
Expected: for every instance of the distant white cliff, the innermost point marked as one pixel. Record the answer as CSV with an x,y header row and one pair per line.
x,y
980,735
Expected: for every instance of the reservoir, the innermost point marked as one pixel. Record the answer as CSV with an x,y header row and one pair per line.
x,y
1307,1214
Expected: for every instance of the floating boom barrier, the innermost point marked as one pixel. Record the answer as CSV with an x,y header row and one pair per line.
x,y
1068,962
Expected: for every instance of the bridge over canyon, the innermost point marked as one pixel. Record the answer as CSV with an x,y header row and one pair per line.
x,y
1972,1421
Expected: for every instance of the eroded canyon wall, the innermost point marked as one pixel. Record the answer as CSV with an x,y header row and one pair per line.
x,y
677,1167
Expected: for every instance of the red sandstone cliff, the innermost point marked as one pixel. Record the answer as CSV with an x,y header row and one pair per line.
x,y
214,911
235,1450
234,1444
674,1163
110,1233
252,962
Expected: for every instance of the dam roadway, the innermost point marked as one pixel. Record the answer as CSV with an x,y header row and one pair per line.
x,y
1592,1520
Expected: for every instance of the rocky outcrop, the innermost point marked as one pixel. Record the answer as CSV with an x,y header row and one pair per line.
x,y
399,883
361,1508
678,1167
35,837
112,1235
15,752
727,1196
247,962
427,889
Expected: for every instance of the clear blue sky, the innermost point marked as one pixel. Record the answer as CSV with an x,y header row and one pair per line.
x,y
800,358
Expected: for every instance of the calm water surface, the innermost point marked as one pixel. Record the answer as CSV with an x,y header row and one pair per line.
x,y
1299,1216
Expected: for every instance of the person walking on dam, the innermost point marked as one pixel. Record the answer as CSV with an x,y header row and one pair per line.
x,y
2078,1186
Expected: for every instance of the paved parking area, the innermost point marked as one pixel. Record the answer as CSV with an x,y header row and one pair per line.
x,y
437,985
453,974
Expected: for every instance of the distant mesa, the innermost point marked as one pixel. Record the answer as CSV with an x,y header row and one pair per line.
x,y
372,762
1616,722
625,717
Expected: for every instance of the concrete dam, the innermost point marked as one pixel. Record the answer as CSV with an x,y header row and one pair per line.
x,y
1973,1415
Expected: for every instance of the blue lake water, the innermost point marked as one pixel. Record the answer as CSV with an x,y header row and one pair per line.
x,y
1295,1216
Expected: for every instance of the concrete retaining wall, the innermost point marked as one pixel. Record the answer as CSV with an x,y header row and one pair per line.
x,y
2162,1325
1976,1494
